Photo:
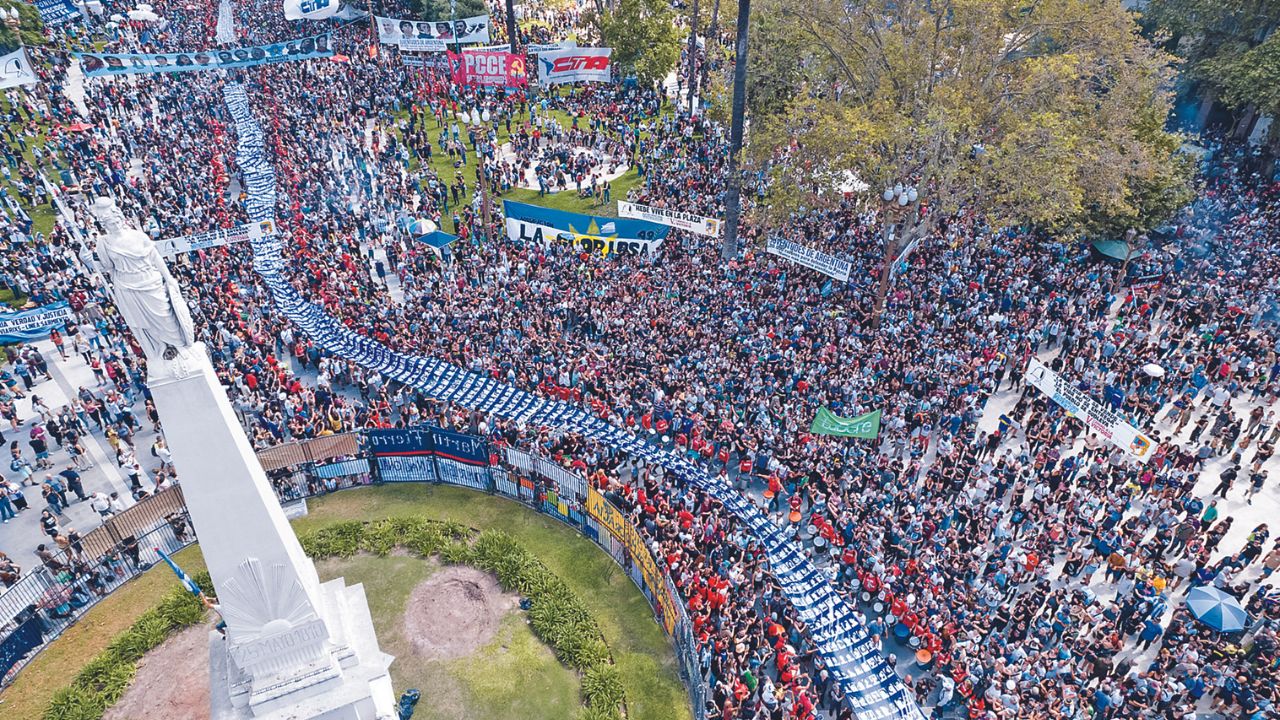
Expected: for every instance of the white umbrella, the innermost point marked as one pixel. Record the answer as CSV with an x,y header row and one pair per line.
x,y
116,17
1153,370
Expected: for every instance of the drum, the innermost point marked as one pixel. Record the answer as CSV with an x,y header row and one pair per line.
x,y
866,596
795,516
914,642
819,544
924,659
901,632
890,619
856,583
768,494
878,607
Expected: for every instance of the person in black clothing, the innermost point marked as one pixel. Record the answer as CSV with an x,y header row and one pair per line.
x,y
1225,480
73,482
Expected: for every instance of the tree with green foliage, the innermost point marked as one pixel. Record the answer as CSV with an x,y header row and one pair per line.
x,y
440,9
30,30
643,36
1045,113
1230,45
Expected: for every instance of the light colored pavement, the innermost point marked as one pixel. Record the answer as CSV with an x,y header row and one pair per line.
x,y
19,537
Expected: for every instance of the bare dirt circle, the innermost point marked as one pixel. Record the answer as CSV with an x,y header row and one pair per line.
x,y
454,612
172,681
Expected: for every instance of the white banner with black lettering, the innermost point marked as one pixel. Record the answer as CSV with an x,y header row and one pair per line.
x,y
671,218
216,238
1101,419
810,258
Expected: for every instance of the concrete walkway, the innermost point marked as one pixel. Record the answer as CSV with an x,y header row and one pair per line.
x,y
19,537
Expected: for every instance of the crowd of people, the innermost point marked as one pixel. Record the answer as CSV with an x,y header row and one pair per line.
x,y
1041,570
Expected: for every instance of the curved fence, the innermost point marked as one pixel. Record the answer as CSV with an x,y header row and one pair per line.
x,y
45,602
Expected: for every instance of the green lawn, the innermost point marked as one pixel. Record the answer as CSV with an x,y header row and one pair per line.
x,y
8,298
52,669
641,650
42,216
478,686
565,200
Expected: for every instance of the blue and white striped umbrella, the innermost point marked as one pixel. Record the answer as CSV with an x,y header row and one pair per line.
x,y
1217,609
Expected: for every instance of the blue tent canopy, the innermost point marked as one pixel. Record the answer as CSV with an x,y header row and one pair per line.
x,y
438,240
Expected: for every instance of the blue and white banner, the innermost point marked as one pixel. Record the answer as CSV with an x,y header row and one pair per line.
x,y
810,258
872,688
584,233
29,325
100,64
56,12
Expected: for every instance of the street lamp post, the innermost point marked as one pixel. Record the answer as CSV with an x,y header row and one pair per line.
x,y
479,123
899,202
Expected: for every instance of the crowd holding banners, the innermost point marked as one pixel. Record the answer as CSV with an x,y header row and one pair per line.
x,y
1105,421
393,31
34,324
991,539
100,64
583,233
824,263
854,662
575,64
672,218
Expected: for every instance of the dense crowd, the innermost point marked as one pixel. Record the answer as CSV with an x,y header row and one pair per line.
x,y
1040,569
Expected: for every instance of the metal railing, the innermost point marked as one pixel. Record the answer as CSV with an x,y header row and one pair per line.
x,y
44,603
51,598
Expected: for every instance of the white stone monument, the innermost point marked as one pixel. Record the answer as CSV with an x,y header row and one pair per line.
x,y
294,648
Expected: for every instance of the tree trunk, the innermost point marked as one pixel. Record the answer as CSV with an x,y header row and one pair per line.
x,y
693,58
714,26
511,25
733,201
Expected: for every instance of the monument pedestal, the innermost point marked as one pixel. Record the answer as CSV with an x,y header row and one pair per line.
x,y
295,649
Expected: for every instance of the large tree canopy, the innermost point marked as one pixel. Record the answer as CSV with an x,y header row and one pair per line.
x,y
643,36
29,32
1230,44
1044,112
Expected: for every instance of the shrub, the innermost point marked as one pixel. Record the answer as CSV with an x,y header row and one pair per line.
x,y
602,687
75,703
102,682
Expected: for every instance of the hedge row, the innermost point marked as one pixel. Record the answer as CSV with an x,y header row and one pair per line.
x,y
103,681
556,614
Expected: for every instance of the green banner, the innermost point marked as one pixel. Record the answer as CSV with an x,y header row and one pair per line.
x,y
863,426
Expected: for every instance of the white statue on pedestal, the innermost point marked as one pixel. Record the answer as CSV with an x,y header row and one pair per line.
x,y
294,648
145,291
